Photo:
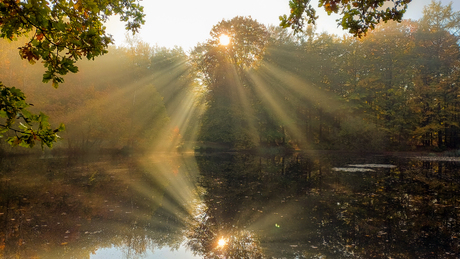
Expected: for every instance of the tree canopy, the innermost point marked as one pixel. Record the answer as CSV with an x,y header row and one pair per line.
x,y
61,32
357,16
64,31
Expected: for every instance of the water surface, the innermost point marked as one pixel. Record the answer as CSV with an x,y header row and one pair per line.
x,y
312,205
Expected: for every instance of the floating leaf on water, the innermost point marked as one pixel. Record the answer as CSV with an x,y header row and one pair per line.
x,y
346,169
374,165
438,158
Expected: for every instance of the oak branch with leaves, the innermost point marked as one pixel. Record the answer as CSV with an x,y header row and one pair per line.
x,y
358,16
61,32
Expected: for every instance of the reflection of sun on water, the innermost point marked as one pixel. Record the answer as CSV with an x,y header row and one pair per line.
x,y
221,242
224,40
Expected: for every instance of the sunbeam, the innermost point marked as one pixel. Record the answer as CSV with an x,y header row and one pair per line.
x,y
245,103
276,106
299,87
180,123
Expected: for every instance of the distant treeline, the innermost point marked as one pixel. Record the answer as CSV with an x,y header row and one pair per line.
x,y
398,87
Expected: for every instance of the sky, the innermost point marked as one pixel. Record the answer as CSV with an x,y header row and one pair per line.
x,y
185,23
165,252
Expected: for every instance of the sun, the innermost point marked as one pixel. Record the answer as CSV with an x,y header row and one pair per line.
x,y
224,40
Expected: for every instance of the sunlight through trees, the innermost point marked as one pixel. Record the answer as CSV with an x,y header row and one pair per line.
x,y
396,88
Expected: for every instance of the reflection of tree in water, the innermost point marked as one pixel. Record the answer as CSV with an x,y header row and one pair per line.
x,y
274,206
69,208
135,246
210,239
300,208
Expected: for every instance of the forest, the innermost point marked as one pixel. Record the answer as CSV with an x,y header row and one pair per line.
x,y
396,88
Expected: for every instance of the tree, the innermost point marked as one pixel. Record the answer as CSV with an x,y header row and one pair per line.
x,y
61,32
438,62
387,74
223,70
357,16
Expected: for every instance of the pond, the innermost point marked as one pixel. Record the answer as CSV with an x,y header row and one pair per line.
x,y
306,205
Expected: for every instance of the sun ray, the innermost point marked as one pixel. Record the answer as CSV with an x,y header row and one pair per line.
x,y
276,106
303,89
180,118
244,101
